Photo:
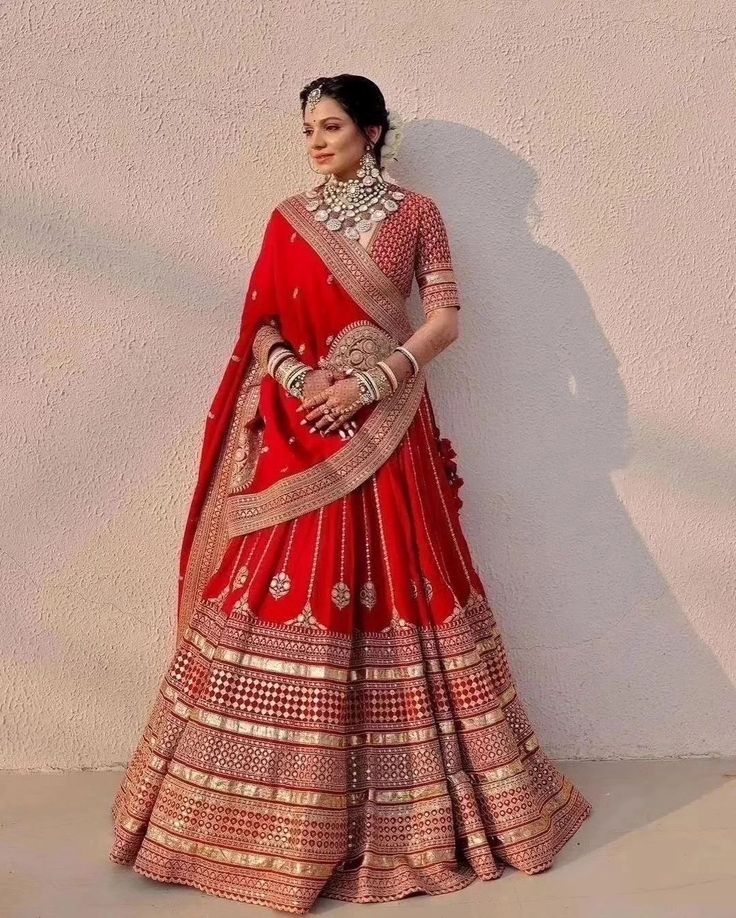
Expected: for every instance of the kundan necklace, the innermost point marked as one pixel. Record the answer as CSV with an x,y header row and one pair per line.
x,y
356,205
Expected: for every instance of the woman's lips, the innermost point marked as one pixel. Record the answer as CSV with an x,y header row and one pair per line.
x,y
324,156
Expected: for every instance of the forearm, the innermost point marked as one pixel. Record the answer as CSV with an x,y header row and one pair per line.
x,y
429,340
267,337
276,358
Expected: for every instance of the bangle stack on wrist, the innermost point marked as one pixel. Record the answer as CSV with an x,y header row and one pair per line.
x,y
373,384
393,381
288,370
380,380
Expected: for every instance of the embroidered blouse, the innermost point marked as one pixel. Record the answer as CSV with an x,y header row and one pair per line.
x,y
413,242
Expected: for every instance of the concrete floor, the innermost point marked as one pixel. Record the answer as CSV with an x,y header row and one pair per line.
x,y
661,843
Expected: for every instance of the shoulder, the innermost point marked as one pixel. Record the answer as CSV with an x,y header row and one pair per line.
x,y
284,205
415,199
297,197
291,199
277,220
422,206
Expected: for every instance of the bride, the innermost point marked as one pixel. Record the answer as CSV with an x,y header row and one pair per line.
x,y
339,717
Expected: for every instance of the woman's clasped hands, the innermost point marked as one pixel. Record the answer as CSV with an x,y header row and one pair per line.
x,y
330,400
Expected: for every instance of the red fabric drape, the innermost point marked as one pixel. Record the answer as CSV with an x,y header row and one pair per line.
x,y
256,311
290,286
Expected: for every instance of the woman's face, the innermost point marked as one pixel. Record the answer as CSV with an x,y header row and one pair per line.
x,y
334,141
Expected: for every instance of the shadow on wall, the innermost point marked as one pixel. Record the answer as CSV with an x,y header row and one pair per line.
x,y
531,396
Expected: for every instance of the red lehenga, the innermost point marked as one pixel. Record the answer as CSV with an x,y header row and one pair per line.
x,y
339,718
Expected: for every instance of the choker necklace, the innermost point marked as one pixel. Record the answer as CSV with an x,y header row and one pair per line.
x,y
356,205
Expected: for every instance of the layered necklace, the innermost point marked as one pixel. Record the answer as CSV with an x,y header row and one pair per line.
x,y
356,205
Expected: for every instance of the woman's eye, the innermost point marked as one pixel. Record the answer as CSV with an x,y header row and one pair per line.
x,y
330,127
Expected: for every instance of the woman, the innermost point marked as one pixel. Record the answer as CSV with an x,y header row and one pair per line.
x,y
339,718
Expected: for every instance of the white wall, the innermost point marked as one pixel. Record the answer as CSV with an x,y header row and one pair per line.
x,y
582,154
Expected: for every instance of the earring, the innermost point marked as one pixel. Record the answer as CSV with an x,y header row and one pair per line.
x,y
369,173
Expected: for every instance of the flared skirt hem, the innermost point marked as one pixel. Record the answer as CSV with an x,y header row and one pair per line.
x,y
467,877
340,719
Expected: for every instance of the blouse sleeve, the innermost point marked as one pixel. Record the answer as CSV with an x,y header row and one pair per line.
x,y
433,262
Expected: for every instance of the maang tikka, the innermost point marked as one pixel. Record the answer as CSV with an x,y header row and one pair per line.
x,y
313,97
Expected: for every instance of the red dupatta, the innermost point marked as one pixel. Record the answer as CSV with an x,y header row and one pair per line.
x,y
327,298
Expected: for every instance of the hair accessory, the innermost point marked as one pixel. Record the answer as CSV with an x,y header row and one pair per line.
x,y
313,97
394,136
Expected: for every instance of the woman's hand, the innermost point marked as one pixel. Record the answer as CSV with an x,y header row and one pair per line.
x,y
341,398
316,380
317,385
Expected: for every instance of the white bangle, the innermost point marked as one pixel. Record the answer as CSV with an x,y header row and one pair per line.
x,y
410,356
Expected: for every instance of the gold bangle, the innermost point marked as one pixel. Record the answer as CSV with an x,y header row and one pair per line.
x,y
277,355
380,381
390,373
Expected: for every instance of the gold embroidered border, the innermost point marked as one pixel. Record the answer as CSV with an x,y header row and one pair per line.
x,y
233,857
331,800
210,537
449,663
374,442
334,477
541,824
440,276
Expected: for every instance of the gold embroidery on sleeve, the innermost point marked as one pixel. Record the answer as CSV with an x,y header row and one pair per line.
x,y
433,264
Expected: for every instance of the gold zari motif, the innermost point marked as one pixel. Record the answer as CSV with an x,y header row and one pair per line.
x,y
389,418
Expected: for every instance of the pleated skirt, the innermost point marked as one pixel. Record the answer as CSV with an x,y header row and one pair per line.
x,y
339,717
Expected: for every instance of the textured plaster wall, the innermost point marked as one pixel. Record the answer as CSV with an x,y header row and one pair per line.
x,y
583,156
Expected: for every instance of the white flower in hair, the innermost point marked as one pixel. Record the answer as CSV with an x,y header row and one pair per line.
x,y
394,136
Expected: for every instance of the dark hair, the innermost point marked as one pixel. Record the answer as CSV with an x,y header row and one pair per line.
x,y
362,100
